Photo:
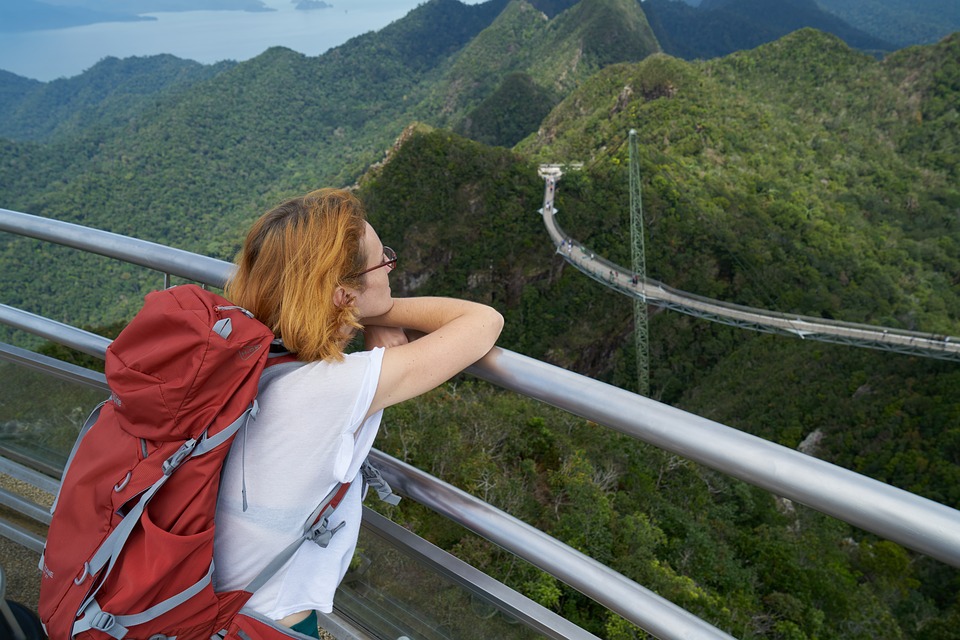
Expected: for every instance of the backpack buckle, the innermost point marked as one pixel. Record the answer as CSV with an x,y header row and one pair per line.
x,y
170,464
103,621
322,534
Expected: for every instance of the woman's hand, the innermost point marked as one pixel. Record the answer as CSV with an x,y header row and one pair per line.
x,y
380,336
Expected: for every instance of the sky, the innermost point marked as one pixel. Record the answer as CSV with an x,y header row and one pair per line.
x,y
204,36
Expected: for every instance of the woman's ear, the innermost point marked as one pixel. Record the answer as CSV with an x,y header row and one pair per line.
x,y
342,297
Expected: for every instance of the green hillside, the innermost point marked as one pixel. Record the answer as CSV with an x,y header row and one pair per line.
x,y
788,175
194,168
902,22
793,177
192,171
720,27
557,54
104,96
755,566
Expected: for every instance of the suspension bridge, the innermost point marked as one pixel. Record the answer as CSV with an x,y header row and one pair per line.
x,y
656,293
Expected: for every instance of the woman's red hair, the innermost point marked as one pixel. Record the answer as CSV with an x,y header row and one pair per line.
x,y
292,262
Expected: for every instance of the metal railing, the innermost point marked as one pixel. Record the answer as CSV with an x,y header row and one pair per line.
x,y
910,520
499,596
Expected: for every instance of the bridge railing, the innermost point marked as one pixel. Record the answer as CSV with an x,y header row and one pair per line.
x,y
910,520
657,293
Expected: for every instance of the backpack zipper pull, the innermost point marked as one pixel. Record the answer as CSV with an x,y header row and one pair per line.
x,y
251,415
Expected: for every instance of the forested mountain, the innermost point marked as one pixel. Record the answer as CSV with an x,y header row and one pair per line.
x,y
194,168
902,22
106,95
801,176
888,177
719,27
541,59
783,177
757,184
14,88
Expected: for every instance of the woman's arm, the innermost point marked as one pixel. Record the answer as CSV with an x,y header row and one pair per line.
x,y
457,334
379,336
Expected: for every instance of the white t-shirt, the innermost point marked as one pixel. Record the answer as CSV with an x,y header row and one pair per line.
x,y
310,435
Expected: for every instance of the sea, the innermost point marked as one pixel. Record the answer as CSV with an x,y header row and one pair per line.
x,y
204,36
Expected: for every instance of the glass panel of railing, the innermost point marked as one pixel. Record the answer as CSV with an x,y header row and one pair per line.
x,y
391,594
41,416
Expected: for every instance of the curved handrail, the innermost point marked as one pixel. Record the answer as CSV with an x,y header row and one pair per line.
x,y
913,521
933,529
910,520
604,585
654,292
162,258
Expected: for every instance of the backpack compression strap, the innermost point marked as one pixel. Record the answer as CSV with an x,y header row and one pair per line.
x,y
109,551
315,529
373,478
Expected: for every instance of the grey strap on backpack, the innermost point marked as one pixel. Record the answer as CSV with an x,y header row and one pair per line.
x,y
117,626
316,527
373,478
108,552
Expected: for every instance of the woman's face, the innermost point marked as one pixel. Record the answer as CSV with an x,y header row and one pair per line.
x,y
375,299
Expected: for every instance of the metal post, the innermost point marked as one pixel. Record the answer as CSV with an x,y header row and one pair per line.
x,y
640,324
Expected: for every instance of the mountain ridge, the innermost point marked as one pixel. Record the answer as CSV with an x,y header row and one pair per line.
x,y
105,94
718,28
902,23
555,53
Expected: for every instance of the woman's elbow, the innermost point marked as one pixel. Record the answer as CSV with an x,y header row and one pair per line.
x,y
494,323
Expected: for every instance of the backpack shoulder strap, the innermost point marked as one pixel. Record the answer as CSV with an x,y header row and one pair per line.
x,y
315,529
275,368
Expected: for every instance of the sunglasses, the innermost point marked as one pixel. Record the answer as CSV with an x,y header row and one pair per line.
x,y
390,262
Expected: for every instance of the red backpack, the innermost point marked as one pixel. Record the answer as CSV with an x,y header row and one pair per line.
x,y
130,549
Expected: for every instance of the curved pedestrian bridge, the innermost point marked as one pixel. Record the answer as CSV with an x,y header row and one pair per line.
x,y
807,327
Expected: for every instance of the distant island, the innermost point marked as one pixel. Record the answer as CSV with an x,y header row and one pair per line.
x,y
309,5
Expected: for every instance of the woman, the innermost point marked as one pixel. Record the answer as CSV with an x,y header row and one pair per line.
x,y
315,271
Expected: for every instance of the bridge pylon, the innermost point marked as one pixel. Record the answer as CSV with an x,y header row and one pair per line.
x,y
638,255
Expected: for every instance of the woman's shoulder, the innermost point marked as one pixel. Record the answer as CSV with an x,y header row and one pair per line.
x,y
342,385
355,364
373,354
